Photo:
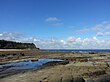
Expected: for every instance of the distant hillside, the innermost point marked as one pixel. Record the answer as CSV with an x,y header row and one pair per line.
x,y
16,45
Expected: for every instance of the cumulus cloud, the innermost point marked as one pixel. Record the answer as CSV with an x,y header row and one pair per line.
x,y
102,29
69,43
10,36
95,28
99,34
107,33
1,34
72,43
52,19
98,27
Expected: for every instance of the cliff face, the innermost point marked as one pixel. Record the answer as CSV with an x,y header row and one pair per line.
x,y
16,45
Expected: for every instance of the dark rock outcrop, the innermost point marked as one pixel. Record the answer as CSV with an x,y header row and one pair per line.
x,y
54,63
90,80
78,79
103,78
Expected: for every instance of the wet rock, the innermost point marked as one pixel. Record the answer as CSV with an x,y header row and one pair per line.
x,y
53,63
104,78
2,55
78,79
89,80
92,52
97,80
14,54
34,60
22,54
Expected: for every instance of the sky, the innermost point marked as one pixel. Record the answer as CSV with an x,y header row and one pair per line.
x,y
57,24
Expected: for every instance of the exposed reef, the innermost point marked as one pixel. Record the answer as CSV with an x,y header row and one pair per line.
x,y
77,67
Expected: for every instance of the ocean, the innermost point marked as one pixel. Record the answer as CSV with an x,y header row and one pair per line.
x,y
76,50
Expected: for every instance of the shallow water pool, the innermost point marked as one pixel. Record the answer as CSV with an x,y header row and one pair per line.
x,y
109,62
29,64
16,67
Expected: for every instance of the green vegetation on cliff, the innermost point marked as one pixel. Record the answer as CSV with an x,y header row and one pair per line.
x,y
16,45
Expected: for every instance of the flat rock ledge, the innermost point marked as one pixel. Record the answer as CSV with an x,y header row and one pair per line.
x,y
63,73
103,78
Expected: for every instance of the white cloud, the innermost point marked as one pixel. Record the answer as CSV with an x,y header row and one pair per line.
x,y
52,19
97,27
72,43
10,36
99,34
58,24
102,29
68,43
107,33
108,26
1,35
84,30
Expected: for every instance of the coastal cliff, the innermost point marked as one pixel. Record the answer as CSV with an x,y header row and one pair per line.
x,y
16,45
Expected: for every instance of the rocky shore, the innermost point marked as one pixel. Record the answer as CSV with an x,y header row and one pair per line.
x,y
78,67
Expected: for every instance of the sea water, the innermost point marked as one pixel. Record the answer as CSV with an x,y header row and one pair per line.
x,y
25,65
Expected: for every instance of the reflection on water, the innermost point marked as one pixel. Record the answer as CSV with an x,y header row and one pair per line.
x,y
26,65
109,62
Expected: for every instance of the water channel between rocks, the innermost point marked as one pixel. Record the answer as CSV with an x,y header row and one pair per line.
x,y
20,66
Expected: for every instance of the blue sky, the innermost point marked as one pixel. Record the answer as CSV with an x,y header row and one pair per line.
x,y
58,21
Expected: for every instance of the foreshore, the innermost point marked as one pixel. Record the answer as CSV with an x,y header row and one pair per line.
x,y
82,67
